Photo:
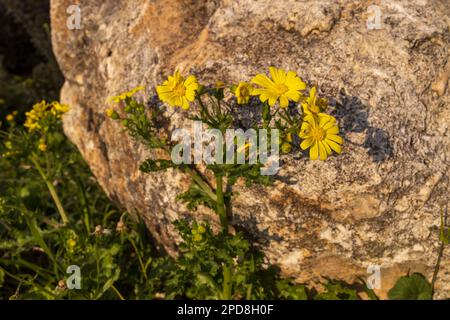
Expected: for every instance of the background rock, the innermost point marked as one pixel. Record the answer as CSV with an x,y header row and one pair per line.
x,y
378,203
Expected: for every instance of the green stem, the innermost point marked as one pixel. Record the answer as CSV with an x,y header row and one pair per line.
x,y
141,263
52,191
117,292
195,176
37,235
221,210
226,285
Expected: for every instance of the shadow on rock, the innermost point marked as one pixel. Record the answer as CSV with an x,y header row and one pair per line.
x,y
353,116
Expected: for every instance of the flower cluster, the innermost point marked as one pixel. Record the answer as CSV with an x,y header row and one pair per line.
x,y
319,131
43,114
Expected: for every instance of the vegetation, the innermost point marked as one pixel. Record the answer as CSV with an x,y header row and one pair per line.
x,y
53,214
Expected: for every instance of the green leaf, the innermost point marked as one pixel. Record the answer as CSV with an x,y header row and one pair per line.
x,y
108,284
291,291
196,196
151,165
411,287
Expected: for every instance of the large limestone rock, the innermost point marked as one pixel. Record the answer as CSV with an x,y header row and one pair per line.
x,y
376,204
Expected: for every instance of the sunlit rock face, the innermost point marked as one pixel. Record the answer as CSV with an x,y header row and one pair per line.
x,y
378,203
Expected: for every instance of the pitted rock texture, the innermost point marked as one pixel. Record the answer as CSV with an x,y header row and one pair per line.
x,y
378,203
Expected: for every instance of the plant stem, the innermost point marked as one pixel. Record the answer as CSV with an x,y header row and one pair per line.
x,y
52,191
195,176
226,285
221,203
201,182
117,292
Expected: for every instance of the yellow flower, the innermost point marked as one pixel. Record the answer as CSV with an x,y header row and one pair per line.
x,y
320,133
43,110
197,237
282,87
125,95
37,112
8,145
9,118
71,244
42,147
243,92
201,229
313,104
178,92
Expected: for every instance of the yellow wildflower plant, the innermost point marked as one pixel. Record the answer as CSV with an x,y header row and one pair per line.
x,y
177,91
243,92
125,95
43,111
320,134
313,104
283,87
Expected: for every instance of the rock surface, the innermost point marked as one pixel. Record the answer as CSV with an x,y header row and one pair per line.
x,y
376,204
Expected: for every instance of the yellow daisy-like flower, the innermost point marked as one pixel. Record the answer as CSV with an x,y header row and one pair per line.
x,y
126,95
320,133
177,91
283,86
243,92
313,104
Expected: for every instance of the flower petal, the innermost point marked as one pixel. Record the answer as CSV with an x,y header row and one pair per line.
x,y
333,145
306,143
335,138
314,151
322,152
278,75
284,102
293,95
263,81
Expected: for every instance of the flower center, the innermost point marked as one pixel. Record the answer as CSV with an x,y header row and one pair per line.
x,y
280,89
179,90
318,134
